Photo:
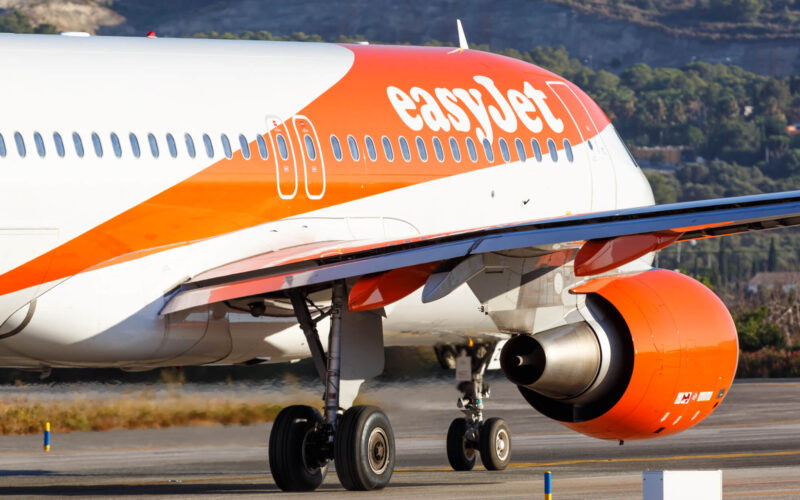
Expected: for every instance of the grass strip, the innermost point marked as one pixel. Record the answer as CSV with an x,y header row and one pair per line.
x,y
23,416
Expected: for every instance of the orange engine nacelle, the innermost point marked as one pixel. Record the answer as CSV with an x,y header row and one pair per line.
x,y
658,358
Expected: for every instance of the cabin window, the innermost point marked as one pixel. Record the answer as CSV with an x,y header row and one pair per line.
x,y
438,149
208,145
455,150
421,149
190,145
311,151
488,151
115,145
520,150
405,149
58,142
153,145
337,148
226,146
387,148
537,150
135,145
20,144
353,145
76,139
2,146
504,152
283,148
551,147
39,142
173,149
244,146
472,150
568,150
98,145
371,151
262,147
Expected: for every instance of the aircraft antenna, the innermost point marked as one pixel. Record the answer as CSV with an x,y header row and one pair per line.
x,y
462,38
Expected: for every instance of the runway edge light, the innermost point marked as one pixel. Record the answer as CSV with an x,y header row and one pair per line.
x,y
548,486
47,436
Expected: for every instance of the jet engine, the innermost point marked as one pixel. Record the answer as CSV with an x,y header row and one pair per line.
x,y
656,354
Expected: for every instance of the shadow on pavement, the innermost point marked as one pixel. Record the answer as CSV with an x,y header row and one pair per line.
x,y
177,489
30,472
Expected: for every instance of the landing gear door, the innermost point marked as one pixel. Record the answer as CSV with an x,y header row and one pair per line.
x,y
285,158
313,164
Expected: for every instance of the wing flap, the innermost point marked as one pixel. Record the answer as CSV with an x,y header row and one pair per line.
x,y
325,262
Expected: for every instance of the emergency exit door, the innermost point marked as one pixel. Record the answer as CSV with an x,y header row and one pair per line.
x,y
310,155
285,160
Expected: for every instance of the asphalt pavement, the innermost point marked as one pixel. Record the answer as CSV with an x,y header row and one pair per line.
x,y
754,437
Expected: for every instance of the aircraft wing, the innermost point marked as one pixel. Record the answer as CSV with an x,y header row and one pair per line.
x,y
598,241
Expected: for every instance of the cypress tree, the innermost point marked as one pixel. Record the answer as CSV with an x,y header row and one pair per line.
x,y
772,258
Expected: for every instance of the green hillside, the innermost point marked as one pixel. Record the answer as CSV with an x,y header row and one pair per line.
x,y
707,18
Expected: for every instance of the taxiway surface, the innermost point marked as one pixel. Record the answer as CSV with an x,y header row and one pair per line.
x,y
754,437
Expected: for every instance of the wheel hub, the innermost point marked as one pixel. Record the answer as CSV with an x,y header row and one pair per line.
x,y
378,450
501,445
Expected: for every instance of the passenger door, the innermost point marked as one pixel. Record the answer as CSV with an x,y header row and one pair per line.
x,y
285,163
311,155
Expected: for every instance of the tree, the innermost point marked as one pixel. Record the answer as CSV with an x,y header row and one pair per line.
x,y
756,332
46,29
789,164
722,261
15,22
735,10
695,137
666,188
638,76
772,258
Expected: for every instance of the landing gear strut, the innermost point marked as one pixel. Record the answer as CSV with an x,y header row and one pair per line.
x,y
359,440
470,435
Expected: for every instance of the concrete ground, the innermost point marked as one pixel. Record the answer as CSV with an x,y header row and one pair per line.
x,y
754,437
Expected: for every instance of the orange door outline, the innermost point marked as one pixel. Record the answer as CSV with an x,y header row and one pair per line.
x,y
313,163
285,168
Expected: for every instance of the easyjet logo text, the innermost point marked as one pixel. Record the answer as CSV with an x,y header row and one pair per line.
x,y
486,106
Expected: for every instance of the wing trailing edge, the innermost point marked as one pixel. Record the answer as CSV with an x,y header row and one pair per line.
x,y
607,240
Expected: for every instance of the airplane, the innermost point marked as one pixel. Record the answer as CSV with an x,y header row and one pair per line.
x,y
168,202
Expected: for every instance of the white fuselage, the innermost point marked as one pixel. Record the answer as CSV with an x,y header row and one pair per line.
x,y
107,314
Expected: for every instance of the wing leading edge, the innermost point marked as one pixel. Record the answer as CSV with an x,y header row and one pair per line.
x,y
607,240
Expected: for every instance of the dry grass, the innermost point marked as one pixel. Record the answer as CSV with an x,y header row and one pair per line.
x,y
134,411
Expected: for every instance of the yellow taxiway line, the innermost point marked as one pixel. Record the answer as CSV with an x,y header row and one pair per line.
x,y
757,494
522,465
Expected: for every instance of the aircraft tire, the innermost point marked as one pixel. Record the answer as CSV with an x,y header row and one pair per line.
x,y
495,444
364,449
460,454
288,443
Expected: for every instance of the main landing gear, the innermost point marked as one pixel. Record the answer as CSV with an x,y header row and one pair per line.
x,y
359,440
470,435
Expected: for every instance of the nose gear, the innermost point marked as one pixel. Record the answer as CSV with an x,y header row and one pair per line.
x,y
469,436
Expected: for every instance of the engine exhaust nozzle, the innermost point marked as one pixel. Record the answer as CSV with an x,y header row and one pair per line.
x,y
560,363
